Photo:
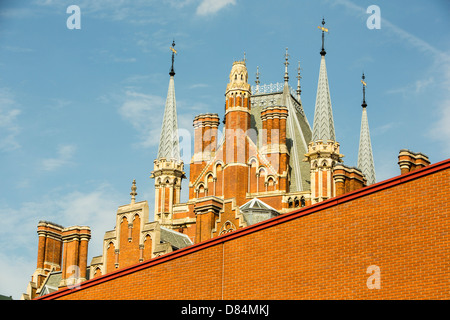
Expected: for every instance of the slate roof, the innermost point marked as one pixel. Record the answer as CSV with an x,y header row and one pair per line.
x,y
51,283
256,204
255,211
176,239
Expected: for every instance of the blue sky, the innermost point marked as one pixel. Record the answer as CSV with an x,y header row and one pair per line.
x,y
81,109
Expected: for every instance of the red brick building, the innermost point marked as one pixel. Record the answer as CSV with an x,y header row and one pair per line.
x,y
267,194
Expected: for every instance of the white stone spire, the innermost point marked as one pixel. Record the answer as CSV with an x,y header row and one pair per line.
x,y
323,126
365,156
168,142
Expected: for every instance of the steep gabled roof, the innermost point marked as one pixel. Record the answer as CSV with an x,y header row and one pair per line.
x,y
176,239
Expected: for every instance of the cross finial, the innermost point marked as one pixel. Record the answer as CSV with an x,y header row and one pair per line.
x,y
172,72
364,104
323,52
133,192
286,63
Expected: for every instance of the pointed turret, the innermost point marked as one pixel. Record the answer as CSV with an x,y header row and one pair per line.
x,y
323,126
323,151
168,143
168,166
365,156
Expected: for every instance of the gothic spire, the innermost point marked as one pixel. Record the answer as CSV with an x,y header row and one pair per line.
x,y
168,142
365,156
323,127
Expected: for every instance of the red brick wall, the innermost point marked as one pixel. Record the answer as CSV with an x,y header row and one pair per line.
x,y
110,258
319,252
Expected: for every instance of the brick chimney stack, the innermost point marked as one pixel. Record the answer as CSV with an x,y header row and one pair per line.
x,y
410,161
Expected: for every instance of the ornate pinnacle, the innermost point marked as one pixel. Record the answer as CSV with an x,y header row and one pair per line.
x,y
286,63
257,79
299,91
133,192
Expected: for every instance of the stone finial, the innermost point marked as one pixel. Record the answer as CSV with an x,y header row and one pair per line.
x,y
299,91
133,192
286,63
257,79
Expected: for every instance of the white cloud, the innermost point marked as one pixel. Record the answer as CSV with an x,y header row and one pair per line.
x,y
96,209
64,157
415,87
411,39
9,128
15,272
144,112
382,129
105,56
130,11
16,13
440,130
16,49
199,85
440,70
209,7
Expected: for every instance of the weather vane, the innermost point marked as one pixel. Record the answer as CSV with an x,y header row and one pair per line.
x,y
323,52
172,72
364,104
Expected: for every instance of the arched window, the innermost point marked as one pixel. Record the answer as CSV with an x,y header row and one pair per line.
x,y
201,191
270,184
296,202
290,204
302,202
